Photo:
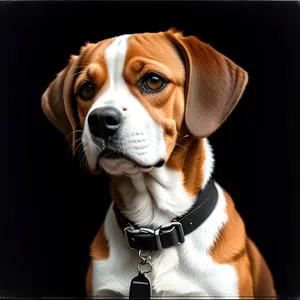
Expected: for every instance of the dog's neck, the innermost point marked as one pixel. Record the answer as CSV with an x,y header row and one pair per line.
x,y
154,198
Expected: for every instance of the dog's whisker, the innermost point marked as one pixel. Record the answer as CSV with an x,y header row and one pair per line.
x,y
79,130
183,138
82,160
175,152
105,155
71,146
174,162
157,147
176,144
81,164
169,141
78,147
185,155
77,125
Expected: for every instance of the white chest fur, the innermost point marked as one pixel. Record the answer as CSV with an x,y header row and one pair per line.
x,y
183,270
186,269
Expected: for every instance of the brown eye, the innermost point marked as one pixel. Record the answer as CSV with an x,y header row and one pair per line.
x,y
154,82
86,91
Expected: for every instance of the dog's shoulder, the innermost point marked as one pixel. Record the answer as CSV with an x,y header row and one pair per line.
x,y
230,247
231,241
235,248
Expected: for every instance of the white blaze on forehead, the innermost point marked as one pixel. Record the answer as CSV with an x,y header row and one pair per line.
x,y
115,56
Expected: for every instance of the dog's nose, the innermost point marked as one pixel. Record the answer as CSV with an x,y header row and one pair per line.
x,y
104,122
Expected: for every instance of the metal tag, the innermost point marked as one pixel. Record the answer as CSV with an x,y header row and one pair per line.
x,y
140,287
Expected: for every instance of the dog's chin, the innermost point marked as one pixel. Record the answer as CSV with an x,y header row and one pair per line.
x,y
117,163
122,166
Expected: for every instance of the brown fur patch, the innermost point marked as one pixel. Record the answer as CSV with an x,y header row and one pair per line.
x,y
232,247
263,284
98,251
188,157
99,247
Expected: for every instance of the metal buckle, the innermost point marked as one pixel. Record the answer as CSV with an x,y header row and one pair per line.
x,y
133,231
176,225
156,233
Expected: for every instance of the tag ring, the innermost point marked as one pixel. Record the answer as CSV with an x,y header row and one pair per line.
x,y
145,258
147,270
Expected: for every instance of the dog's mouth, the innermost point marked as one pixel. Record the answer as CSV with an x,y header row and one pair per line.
x,y
112,154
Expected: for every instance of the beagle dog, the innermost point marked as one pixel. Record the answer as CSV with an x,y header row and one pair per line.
x,y
144,105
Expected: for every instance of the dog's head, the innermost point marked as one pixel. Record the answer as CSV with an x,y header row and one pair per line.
x,y
136,95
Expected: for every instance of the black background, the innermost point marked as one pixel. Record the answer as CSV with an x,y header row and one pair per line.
x,y
50,209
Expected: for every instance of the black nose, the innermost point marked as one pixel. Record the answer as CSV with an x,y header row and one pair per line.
x,y
104,122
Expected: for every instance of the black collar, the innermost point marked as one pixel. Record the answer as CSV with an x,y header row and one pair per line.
x,y
174,232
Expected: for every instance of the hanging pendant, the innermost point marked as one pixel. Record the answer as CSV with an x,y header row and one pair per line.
x,y
140,287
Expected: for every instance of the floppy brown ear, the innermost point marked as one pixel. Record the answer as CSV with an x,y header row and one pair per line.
x,y
57,104
214,84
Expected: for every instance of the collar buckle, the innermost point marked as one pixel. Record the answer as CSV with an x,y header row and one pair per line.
x,y
167,228
173,233
172,226
130,229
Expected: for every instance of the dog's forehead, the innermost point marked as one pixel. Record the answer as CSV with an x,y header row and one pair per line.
x,y
152,46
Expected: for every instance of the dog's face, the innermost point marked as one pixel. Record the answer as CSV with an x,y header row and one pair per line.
x,y
135,96
137,102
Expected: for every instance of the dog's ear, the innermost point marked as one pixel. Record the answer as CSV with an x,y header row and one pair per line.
x,y
214,84
57,101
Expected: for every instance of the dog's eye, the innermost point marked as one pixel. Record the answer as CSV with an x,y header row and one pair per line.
x,y
154,82
86,90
